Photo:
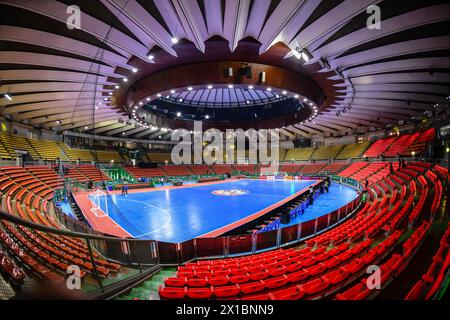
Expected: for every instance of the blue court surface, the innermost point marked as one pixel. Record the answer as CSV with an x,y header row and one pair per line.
x,y
180,214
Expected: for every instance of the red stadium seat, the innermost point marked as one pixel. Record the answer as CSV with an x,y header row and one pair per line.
x,y
226,291
196,282
175,282
252,287
172,293
273,283
239,279
218,281
199,293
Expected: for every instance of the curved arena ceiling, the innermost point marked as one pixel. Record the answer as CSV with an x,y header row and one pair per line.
x,y
58,78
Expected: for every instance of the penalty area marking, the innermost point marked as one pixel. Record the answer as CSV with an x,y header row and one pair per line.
x,y
169,216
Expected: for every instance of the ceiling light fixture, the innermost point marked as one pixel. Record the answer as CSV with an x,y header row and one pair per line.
x,y
302,54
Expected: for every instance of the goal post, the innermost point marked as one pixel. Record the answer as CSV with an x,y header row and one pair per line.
x,y
99,202
274,175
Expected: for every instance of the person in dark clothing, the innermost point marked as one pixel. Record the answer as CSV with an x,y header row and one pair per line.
x,y
391,168
311,195
366,186
123,190
327,184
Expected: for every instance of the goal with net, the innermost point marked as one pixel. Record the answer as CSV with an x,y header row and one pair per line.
x,y
99,202
274,175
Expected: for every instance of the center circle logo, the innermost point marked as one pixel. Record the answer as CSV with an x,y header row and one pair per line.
x,y
230,192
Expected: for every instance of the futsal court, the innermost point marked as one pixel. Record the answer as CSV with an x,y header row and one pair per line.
x,y
183,213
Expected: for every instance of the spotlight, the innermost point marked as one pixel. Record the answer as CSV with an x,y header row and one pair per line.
x,y
158,95
117,87
150,57
172,91
134,70
189,88
110,93
178,114
302,54
207,117
58,121
85,128
296,54
125,79
181,100
174,40
148,99
230,86
305,56
140,103
269,89
209,86
8,96
250,87
284,92
296,96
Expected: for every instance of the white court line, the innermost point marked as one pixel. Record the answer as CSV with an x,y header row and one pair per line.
x,y
117,224
149,205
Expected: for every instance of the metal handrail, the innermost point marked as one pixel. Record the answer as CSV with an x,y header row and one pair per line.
x,y
40,227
